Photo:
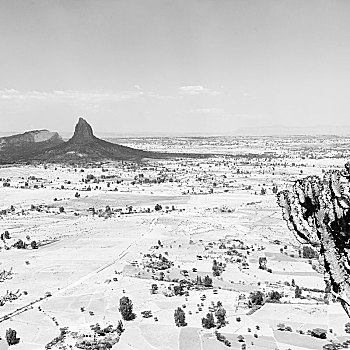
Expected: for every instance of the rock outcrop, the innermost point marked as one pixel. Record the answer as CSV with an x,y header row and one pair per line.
x,y
83,132
25,146
85,147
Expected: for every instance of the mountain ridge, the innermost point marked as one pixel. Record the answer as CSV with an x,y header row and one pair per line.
x,y
84,147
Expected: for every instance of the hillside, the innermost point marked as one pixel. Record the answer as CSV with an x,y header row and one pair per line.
x,y
82,147
27,145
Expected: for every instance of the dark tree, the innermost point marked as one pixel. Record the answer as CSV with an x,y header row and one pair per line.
x,y
125,308
34,245
158,207
262,262
20,244
256,298
11,337
220,314
207,282
154,288
274,297
217,268
120,327
297,292
319,333
179,317
208,322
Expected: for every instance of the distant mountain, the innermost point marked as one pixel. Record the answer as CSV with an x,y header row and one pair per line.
x,y
82,147
27,145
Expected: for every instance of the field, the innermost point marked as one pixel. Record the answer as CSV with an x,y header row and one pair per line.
x,y
153,232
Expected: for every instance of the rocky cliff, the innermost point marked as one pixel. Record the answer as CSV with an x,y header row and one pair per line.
x,y
27,145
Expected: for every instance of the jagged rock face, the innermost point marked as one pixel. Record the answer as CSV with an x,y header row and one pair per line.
x,y
83,132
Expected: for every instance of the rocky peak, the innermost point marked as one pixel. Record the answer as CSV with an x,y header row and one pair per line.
x,y
83,132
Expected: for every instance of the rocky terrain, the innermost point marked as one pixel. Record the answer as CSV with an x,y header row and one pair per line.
x,y
27,145
82,148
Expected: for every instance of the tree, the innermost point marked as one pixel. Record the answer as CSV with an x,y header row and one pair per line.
x,y
207,282
179,317
217,268
220,314
319,333
125,308
158,207
256,298
20,244
208,322
297,292
120,327
317,211
11,337
61,210
240,338
274,297
34,245
262,262
154,288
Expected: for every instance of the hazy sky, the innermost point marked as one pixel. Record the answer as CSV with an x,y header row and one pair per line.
x,y
174,66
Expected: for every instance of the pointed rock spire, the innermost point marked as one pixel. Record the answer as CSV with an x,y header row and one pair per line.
x,y
83,132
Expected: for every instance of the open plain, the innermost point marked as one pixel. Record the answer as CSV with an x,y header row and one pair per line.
x,y
202,235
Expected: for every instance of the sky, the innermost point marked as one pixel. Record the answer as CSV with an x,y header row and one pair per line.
x,y
174,66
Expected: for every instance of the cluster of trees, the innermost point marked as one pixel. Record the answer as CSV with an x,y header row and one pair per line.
x,y
220,314
5,235
220,337
218,268
256,298
206,281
